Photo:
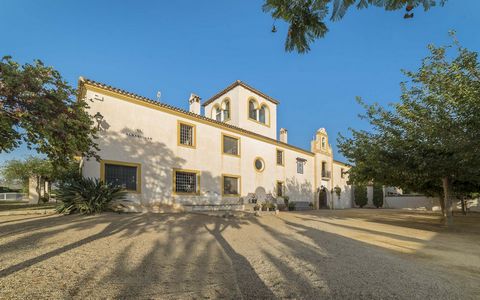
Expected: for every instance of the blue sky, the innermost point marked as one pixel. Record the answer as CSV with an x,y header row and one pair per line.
x,y
180,47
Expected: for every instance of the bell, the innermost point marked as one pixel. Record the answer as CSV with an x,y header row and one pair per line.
x,y
274,29
408,16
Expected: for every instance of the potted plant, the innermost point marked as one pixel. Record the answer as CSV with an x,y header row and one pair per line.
x,y
338,191
257,207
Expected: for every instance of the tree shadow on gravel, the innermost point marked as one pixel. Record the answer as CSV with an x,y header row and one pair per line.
x,y
140,256
112,228
345,268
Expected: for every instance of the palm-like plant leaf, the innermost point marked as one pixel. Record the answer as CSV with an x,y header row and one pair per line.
x,y
87,196
305,17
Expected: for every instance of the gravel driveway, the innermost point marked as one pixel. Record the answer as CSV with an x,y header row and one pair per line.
x,y
351,254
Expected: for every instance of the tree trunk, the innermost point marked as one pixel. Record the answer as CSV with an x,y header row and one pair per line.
x,y
464,210
448,215
441,199
39,189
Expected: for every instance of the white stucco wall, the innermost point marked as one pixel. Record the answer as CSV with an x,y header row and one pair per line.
x,y
158,153
345,200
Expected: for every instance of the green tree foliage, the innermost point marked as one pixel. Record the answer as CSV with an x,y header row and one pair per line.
x,y
38,108
39,169
378,195
306,17
23,170
360,195
87,196
429,141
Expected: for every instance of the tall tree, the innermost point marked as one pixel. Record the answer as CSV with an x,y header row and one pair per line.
x,y
39,108
306,17
429,141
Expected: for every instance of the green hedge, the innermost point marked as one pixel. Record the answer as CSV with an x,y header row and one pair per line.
x,y
378,195
360,195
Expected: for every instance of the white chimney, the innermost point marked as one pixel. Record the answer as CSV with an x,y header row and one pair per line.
x,y
194,103
283,135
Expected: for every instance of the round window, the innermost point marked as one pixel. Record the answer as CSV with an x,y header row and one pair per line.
x,y
259,164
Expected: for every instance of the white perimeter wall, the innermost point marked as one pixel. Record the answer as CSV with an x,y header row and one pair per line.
x,y
424,203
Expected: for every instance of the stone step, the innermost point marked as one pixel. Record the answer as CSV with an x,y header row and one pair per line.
x,y
214,207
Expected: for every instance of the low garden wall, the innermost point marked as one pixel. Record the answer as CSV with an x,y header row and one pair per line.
x,y
412,202
424,203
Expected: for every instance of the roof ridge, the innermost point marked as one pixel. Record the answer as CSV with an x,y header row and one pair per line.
x,y
83,80
243,84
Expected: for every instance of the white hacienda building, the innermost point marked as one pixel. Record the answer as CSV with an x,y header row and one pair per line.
x,y
228,157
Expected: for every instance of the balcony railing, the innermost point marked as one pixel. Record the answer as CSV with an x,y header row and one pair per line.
x,y
326,174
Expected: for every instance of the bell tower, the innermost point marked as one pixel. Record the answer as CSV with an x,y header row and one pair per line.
x,y
320,143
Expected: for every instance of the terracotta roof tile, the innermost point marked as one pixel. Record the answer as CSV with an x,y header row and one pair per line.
x,y
83,80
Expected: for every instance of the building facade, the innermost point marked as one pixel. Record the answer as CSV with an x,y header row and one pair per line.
x,y
229,155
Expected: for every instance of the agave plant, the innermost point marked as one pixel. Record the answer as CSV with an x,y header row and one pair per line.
x,y
87,196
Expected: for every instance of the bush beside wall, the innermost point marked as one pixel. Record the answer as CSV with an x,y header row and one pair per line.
x,y
378,195
360,195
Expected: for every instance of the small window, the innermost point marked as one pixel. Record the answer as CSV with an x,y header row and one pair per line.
x,y
279,189
231,185
231,145
120,175
218,114
186,135
280,157
226,111
342,173
324,142
300,163
259,164
252,112
185,182
261,115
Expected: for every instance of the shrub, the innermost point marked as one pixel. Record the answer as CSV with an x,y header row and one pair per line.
x,y
360,195
268,205
378,195
291,205
87,196
257,207
45,198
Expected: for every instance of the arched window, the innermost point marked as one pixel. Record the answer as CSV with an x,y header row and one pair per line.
x,y
324,142
261,115
226,110
218,114
252,112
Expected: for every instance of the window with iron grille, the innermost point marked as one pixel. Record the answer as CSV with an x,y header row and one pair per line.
x,y
300,164
230,185
186,182
279,189
230,145
124,176
187,135
280,157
